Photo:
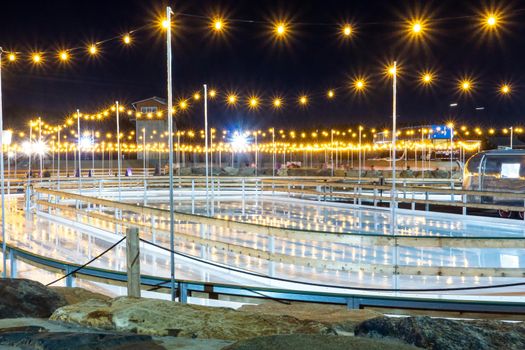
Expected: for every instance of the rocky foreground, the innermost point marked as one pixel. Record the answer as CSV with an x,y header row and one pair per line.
x,y
33,316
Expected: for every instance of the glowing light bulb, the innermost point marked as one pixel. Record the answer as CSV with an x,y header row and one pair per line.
x,y
93,50
212,93
303,100
64,56
126,39
11,57
331,94
417,27
37,58
196,96
347,30
505,89
232,99
277,102
491,20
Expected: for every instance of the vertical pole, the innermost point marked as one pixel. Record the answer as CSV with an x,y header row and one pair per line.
x,y
4,243
256,155
92,152
144,163
451,154
170,143
40,152
30,158
119,154
273,156
58,160
206,145
332,151
511,136
79,155
359,176
133,261
393,203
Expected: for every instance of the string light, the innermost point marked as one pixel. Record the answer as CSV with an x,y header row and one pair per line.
x,y
303,100
330,94
212,93
63,55
427,78
359,84
218,24
347,30
505,89
92,49
36,58
11,57
196,96
183,104
277,102
253,102
232,99
280,29
126,39
465,85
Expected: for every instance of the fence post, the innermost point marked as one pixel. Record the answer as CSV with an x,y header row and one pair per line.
x,y
183,289
464,210
69,278
133,261
12,261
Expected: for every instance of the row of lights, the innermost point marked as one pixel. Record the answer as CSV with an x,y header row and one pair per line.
x,y
490,20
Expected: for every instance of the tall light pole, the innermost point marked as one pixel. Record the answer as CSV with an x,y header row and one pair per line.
x,y
170,143
119,155
4,243
79,155
394,146
206,154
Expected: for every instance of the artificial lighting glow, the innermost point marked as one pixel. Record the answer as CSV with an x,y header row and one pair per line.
x,y
359,84
465,85
280,29
218,24
86,142
253,102
126,39
232,99
391,70
330,94
183,105
36,58
11,57
427,78
165,24
239,141
196,96
277,102
212,93
93,50
505,89
347,30
303,100
417,27
63,55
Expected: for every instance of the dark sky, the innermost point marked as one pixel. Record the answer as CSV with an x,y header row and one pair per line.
x,y
313,61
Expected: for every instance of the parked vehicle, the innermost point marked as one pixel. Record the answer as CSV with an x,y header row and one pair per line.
x,y
497,171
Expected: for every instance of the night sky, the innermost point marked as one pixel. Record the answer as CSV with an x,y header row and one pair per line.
x,y
314,60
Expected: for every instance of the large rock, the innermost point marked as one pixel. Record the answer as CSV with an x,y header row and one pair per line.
x,y
317,342
443,334
160,317
77,295
39,338
340,318
26,298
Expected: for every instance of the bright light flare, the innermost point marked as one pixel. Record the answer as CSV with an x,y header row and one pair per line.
x,y
11,57
36,58
63,56
303,100
183,104
126,39
277,102
93,49
253,102
330,94
239,141
505,89
347,30
218,24
232,99
196,96
212,94
427,78
359,84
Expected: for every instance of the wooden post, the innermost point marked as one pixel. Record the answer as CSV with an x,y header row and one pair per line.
x,y
133,261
